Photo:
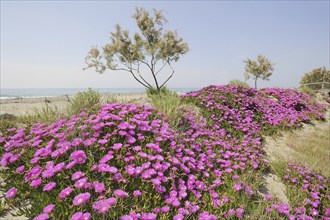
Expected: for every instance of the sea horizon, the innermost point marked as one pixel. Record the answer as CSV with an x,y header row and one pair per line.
x,y
14,93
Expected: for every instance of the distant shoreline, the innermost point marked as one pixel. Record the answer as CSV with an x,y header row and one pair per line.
x,y
18,94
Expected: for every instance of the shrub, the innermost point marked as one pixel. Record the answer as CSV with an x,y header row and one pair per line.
x,y
315,78
307,90
237,82
83,101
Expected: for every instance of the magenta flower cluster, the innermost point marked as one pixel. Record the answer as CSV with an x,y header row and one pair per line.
x,y
127,155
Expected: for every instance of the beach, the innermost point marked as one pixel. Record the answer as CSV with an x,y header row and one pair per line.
x,y
27,106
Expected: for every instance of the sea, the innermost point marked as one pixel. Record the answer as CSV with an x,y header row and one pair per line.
x,y
40,93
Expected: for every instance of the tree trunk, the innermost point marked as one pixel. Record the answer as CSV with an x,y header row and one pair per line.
x,y
255,83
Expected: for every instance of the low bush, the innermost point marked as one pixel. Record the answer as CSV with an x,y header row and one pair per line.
x,y
83,101
237,82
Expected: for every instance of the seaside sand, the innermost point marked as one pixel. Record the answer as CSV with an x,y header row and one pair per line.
x,y
26,106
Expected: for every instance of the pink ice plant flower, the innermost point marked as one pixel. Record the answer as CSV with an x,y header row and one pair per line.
x,y
65,193
81,199
78,156
11,193
42,216
49,186
120,193
48,209
77,175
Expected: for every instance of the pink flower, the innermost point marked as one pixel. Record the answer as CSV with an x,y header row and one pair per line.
x,y
59,167
42,216
78,156
237,187
70,165
20,169
81,198
77,175
76,142
120,193
81,183
137,193
165,209
117,146
267,196
106,168
35,183
65,193
101,207
76,216
99,187
178,217
239,212
49,186
11,193
34,160
49,208
86,216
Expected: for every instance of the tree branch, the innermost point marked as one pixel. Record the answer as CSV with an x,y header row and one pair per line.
x,y
138,79
161,67
153,72
168,77
138,72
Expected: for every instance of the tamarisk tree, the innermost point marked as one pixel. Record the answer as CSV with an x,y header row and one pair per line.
x,y
151,47
262,68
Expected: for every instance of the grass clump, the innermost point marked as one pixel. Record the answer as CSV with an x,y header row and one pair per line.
x,y
83,101
153,91
167,103
237,82
47,114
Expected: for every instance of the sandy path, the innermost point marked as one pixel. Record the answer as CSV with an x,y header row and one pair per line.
x,y
280,148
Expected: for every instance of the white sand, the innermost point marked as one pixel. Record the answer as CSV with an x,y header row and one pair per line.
x,y
28,105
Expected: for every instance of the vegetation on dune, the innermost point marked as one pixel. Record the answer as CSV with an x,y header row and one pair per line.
x,y
237,82
198,155
170,162
317,79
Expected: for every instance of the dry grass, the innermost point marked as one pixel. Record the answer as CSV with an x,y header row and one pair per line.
x,y
313,148
309,145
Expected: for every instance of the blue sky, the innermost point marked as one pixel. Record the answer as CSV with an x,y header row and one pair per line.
x,y
43,44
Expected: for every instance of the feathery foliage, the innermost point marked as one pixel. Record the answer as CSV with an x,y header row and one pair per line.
x,y
152,48
262,68
319,76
